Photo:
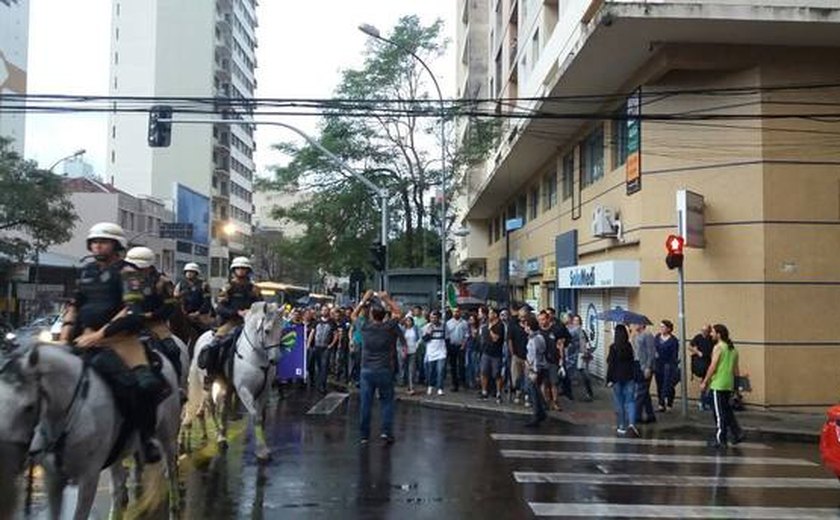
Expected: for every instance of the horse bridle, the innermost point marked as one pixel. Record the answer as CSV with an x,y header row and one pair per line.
x,y
55,444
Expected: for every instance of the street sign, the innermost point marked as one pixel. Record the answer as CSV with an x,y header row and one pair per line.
x,y
512,224
692,220
633,166
176,230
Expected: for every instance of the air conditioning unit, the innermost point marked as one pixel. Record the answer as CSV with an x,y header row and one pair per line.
x,y
605,223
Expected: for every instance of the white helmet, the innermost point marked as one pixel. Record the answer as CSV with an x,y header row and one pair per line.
x,y
107,230
140,257
192,266
241,261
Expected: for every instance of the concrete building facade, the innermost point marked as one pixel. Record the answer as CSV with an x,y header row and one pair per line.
x,y
733,102
14,46
196,49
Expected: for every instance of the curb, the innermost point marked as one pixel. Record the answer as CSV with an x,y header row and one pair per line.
x,y
753,433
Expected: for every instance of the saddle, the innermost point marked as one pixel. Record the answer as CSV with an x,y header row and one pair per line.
x,y
217,357
120,381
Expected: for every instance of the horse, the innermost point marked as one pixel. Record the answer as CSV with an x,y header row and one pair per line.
x,y
250,378
51,400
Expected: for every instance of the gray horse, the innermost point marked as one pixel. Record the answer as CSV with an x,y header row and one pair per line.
x,y
252,361
51,401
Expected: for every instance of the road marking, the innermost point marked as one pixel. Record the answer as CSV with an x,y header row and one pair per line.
x,y
328,404
614,440
666,511
644,457
533,477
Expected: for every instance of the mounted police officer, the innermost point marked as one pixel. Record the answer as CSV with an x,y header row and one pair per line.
x,y
232,305
104,319
193,294
158,303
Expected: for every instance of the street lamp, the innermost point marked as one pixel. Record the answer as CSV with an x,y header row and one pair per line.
x,y
373,32
78,153
229,229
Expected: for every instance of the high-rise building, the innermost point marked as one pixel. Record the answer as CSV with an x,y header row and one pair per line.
x,y
611,110
14,43
181,48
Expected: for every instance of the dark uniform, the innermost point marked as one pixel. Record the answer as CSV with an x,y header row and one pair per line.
x,y
194,297
158,305
234,297
112,297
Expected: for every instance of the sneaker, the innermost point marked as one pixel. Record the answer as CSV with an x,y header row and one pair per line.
x,y
387,439
440,391
363,441
661,409
498,399
483,396
429,391
632,431
620,431
527,404
516,400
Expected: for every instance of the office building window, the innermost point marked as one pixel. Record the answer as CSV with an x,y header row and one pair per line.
x,y
568,175
619,139
549,190
534,205
592,157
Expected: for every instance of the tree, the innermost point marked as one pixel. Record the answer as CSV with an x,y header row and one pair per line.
x,y
35,211
396,147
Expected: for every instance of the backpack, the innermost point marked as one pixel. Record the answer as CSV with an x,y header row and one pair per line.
x,y
323,334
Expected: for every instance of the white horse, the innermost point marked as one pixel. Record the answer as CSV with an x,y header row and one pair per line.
x,y
48,391
252,361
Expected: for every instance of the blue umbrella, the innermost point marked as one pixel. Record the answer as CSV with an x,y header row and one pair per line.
x,y
619,315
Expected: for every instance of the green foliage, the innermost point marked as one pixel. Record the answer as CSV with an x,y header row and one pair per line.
x,y
393,148
35,211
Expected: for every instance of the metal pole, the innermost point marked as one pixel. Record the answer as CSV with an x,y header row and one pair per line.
x,y
507,267
384,238
681,325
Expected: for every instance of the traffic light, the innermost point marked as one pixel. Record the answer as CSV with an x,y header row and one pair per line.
x,y
674,245
378,253
160,133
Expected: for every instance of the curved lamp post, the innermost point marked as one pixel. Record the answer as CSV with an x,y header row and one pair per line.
x,y
373,32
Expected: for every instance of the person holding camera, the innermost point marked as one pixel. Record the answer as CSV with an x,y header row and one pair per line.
x,y
379,357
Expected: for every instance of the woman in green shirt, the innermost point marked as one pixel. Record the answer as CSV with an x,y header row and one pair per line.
x,y
720,379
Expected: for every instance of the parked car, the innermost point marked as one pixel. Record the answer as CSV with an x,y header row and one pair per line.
x,y
45,329
830,440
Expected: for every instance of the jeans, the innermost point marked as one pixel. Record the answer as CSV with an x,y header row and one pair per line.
x,y
724,417
666,374
342,368
355,361
372,381
471,366
320,363
536,396
644,404
624,397
436,373
410,374
455,360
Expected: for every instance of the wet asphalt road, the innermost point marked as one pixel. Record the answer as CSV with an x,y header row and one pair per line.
x,y
462,465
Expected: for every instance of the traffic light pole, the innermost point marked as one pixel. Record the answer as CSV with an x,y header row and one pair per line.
x,y
382,193
681,325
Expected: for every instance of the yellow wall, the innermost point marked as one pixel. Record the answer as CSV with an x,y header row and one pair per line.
x,y
771,268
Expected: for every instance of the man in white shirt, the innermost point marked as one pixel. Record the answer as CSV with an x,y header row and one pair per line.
x,y
434,337
456,339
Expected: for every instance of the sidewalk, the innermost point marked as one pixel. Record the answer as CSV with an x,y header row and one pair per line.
x,y
758,424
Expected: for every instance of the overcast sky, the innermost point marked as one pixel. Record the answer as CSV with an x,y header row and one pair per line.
x,y
302,48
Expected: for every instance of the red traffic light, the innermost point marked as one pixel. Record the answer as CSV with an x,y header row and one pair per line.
x,y
674,244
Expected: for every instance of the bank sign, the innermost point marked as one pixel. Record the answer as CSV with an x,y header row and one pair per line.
x,y
614,273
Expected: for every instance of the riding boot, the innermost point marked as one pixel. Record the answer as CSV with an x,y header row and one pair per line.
x,y
173,354
152,389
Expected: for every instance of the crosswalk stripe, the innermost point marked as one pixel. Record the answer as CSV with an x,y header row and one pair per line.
x,y
668,511
614,440
644,457
533,477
